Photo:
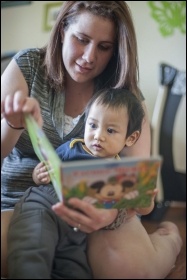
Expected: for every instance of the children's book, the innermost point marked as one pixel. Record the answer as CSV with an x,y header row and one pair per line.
x,y
106,183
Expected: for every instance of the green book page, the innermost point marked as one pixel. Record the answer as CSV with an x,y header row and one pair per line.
x,y
46,153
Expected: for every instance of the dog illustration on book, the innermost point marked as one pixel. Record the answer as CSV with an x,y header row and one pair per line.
x,y
115,188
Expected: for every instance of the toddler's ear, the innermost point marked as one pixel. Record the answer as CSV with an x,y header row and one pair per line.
x,y
132,138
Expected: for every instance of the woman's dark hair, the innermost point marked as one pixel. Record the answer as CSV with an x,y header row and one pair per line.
x,y
122,70
120,98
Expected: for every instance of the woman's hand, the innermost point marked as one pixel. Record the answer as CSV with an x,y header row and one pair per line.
x,y
86,217
15,100
14,107
15,103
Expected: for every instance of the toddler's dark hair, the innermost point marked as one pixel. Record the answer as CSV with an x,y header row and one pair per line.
x,y
119,98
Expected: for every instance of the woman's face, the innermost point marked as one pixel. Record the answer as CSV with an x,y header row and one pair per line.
x,y
88,45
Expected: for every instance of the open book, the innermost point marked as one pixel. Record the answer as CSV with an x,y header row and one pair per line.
x,y
106,183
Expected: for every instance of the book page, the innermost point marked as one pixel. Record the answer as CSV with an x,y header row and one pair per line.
x,y
46,153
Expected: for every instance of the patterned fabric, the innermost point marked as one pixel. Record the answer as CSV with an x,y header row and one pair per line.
x,y
16,173
69,124
120,219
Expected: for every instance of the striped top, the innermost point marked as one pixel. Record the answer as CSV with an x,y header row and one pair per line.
x,y
17,168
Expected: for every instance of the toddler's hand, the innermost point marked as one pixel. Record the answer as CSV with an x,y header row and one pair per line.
x,y
147,210
41,174
153,193
131,194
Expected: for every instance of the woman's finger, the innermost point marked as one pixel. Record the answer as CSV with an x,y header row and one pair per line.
x,y
18,101
73,218
8,105
86,214
100,216
31,106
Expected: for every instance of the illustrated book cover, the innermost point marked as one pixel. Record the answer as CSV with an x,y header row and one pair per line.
x,y
106,183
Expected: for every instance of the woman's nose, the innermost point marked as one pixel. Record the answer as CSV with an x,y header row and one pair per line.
x,y
89,53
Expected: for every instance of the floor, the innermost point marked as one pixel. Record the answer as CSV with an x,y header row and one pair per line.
x,y
174,212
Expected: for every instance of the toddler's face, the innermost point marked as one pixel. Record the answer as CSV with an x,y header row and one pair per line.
x,y
105,130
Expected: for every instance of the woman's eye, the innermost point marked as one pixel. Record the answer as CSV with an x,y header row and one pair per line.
x,y
104,48
82,40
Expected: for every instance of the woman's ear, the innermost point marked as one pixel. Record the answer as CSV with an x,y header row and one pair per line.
x,y
132,138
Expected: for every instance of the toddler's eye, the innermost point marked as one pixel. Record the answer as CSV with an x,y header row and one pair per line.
x,y
110,130
92,125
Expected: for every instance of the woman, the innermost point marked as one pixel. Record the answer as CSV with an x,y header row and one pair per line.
x,y
92,46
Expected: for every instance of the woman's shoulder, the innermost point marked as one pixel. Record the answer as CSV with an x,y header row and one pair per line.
x,y
32,57
29,53
30,62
